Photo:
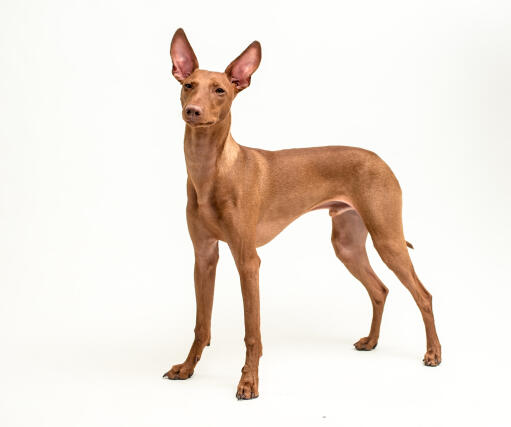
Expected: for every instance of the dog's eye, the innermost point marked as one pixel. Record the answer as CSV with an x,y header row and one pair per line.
x,y
219,90
188,85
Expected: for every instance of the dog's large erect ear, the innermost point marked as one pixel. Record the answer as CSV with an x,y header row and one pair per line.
x,y
241,69
184,61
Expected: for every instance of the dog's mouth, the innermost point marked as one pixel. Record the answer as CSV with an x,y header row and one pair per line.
x,y
196,124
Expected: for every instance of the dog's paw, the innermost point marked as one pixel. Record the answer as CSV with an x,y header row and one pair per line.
x,y
179,372
433,357
248,386
366,344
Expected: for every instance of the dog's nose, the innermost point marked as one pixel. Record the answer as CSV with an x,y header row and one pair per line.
x,y
193,111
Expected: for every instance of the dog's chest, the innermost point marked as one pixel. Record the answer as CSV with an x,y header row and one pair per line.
x,y
217,210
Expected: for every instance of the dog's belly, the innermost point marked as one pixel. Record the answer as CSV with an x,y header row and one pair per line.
x,y
267,230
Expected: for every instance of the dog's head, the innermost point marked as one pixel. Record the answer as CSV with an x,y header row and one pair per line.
x,y
207,96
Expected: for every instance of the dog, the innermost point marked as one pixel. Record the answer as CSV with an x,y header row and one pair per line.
x,y
246,196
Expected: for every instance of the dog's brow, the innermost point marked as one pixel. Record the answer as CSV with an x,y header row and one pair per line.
x,y
215,82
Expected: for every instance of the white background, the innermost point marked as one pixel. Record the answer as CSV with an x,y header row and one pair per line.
x,y
96,267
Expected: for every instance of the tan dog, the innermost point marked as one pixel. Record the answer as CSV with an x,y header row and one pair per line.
x,y
246,196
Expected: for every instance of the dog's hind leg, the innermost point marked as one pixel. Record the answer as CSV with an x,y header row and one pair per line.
x,y
394,253
348,238
382,216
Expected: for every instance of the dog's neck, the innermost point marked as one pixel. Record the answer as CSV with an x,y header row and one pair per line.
x,y
206,148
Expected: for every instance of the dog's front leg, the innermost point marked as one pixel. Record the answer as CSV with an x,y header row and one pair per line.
x,y
247,262
206,259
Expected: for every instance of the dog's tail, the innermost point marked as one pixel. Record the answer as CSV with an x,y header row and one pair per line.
x,y
409,244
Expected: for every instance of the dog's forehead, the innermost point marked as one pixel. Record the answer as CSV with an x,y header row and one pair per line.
x,y
209,77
